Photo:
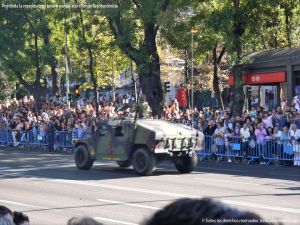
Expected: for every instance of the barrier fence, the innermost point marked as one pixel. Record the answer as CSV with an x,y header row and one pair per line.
x,y
219,148
267,151
58,140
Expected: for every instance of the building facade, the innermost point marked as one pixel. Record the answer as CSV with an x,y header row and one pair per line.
x,y
277,70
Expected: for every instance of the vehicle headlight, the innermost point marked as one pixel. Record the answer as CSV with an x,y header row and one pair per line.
x,y
192,142
159,135
178,143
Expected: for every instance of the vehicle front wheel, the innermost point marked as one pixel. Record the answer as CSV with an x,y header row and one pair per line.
x,y
143,162
186,164
82,158
124,163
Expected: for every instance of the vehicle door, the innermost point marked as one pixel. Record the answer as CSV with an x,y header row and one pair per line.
x,y
121,141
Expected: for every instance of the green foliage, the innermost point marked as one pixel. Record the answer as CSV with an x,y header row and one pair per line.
x,y
108,60
6,87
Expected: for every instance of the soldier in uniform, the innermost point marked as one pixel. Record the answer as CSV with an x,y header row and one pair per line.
x,y
143,107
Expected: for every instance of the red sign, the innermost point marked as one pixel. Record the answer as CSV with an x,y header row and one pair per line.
x,y
182,97
261,78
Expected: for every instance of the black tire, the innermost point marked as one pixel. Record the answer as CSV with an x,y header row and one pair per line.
x,y
82,158
143,162
186,164
124,163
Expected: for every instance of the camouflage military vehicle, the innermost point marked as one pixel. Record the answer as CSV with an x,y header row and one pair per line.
x,y
142,144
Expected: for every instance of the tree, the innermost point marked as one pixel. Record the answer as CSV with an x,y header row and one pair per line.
x,y
29,48
52,37
135,24
99,58
6,87
209,44
20,48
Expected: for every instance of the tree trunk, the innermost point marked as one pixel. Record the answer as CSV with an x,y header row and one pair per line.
x,y
238,102
93,78
56,77
216,86
149,71
186,66
151,87
37,87
91,62
288,27
238,31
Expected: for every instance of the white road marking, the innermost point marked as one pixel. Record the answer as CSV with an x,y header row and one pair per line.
x,y
227,181
129,204
39,168
177,195
11,171
27,166
21,204
123,188
4,168
114,221
254,205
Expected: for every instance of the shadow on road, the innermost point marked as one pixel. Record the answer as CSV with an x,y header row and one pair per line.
x,y
61,166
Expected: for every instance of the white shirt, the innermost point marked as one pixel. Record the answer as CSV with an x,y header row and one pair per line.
x,y
219,140
278,136
296,102
295,135
245,133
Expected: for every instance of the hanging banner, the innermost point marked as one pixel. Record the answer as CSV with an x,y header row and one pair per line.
x,y
182,97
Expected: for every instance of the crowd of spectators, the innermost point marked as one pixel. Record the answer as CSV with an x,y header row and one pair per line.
x,y
22,115
254,126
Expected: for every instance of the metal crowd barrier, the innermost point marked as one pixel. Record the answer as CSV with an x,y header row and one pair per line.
x,y
34,138
217,147
268,151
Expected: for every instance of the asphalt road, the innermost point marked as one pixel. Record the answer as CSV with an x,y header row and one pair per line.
x,y
50,190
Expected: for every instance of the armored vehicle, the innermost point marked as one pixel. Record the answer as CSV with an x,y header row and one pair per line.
x,y
142,144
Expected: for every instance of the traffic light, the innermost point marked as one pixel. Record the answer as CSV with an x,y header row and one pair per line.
x,y
71,97
167,86
77,92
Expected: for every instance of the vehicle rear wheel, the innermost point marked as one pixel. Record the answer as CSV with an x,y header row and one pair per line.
x,y
186,164
143,162
124,163
82,158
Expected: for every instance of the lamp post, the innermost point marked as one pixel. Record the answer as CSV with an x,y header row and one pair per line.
x,y
193,31
67,67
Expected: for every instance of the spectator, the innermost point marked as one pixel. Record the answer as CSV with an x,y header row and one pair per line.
x,y
5,221
219,138
296,103
260,133
271,100
227,136
20,218
295,137
6,212
202,211
83,221
245,135
267,120
210,129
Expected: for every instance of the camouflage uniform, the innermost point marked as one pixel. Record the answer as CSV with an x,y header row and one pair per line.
x,y
143,107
